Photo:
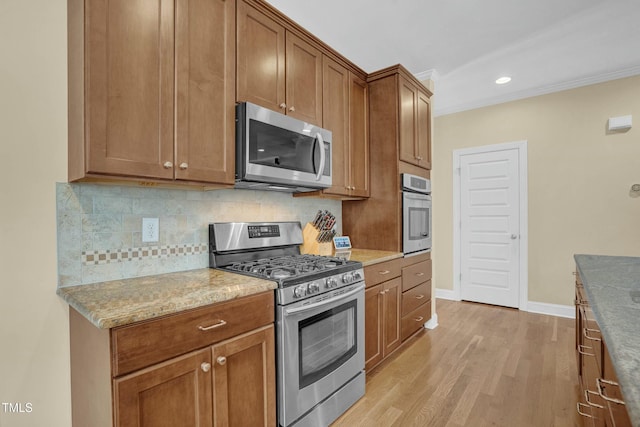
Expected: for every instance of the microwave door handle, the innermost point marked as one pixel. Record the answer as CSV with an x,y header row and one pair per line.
x,y
322,156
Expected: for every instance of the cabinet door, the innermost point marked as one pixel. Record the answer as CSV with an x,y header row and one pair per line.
x,y
244,380
392,306
260,59
205,85
174,393
335,118
129,87
408,111
358,136
423,130
373,317
304,80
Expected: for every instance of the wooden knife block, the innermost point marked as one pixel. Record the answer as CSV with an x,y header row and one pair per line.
x,y
310,245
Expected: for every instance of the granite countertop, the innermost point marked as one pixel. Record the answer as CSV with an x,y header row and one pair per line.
x,y
369,256
612,285
121,302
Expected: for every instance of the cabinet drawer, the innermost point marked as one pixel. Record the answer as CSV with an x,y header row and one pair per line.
x,y
146,343
415,274
378,273
415,319
415,297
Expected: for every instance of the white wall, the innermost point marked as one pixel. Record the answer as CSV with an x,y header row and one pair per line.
x,y
34,339
580,178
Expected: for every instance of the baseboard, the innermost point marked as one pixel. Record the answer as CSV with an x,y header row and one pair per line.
x,y
446,294
559,310
433,322
568,311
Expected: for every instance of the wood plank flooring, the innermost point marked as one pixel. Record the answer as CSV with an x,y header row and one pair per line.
x,y
482,366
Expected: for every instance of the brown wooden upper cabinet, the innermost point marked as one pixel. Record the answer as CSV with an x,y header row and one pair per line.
x,y
345,114
277,69
152,90
415,124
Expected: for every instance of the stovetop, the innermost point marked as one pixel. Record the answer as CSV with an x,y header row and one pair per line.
x,y
290,270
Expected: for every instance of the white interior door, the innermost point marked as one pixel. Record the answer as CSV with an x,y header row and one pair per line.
x,y
490,227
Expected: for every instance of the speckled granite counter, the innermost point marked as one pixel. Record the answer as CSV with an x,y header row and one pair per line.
x,y
120,302
369,256
612,285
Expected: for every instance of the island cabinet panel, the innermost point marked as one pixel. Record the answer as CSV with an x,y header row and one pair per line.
x,y
152,90
600,402
224,376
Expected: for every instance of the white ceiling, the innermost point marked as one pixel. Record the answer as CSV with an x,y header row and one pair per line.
x,y
464,45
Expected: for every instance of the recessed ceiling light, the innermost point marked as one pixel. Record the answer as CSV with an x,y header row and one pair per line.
x,y
503,80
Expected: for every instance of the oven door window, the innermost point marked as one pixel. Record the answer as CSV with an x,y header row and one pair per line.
x,y
326,341
281,148
418,223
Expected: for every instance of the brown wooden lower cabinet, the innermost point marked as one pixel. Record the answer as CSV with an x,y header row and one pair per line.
x,y
600,402
216,380
397,304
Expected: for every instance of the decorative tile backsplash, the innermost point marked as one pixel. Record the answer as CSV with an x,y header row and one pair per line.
x,y
100,227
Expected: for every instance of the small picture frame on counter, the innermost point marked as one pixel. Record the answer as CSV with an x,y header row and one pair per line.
x,y
342,243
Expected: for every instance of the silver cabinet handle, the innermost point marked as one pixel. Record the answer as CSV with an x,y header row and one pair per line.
x,y
586,331
419,319
167,165
384,272
205,367
221,360
590,403
292,109
582,413
599,382
419,296
215,325
283,105
184,166
584,353
420,274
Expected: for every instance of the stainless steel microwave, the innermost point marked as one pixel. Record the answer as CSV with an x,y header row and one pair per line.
x,y
278,152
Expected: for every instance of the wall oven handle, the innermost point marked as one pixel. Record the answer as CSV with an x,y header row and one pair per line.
x,y
290,311
322,156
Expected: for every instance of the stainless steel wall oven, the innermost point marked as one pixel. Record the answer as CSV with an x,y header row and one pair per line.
x,y
416,214
319,314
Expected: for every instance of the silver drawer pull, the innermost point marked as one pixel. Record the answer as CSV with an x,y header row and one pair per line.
x,y
580,350
419,319
578,405
586,331
382,273
586,398
419,296
599,382
419,274
215,325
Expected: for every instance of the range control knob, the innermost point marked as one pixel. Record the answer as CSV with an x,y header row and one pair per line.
x,y
347,278
331,283
300,291
357,276
312,288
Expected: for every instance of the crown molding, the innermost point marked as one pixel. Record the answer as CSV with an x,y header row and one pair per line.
x,y
431,74
542,90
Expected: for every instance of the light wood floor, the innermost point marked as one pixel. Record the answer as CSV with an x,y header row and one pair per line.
x,y
482,366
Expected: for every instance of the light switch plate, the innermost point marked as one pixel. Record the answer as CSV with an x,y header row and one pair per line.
x,y
150,229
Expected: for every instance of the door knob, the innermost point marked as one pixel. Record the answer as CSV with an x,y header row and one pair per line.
x,y
514,236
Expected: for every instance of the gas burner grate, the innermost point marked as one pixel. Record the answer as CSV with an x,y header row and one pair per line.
x,y
287,266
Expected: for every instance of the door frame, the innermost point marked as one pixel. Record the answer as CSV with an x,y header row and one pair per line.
x,y
521,146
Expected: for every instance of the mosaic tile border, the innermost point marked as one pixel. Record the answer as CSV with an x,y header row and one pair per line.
x,y
141,253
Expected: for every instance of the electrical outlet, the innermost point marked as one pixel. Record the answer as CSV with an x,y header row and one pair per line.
x,y
150,229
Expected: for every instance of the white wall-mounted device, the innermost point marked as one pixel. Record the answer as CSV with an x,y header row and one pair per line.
x,y
620,123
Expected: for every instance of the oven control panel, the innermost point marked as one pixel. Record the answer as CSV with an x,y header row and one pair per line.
x,y
262,231
319,286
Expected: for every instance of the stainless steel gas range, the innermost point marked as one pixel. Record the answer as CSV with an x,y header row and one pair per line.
x,y
319,313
